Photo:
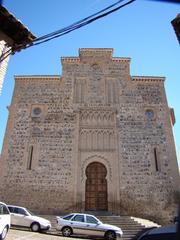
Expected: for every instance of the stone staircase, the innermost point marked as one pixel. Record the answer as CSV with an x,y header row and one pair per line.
x,y
131,227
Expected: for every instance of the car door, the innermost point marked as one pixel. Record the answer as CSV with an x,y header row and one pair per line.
x,y
4,217
78,224
92,225
19,217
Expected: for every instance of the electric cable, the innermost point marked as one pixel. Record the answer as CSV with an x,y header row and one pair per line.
x,y
72,27
78,22
5,55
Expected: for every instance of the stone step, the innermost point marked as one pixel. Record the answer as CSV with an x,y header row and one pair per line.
x,y
130,227
120,221
130,231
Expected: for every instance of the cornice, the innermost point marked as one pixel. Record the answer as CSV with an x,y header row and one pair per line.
x,y
37,77
86,51
77,59
96,50
121,59
148,78
70,59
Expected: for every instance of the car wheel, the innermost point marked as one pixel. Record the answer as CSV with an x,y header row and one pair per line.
x,y
35,227
4,233
110,235
66,231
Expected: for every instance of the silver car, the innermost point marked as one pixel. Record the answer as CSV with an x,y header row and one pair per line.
x,y
85,224
22,217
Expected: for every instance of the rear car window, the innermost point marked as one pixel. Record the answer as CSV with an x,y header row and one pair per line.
x,y
68,217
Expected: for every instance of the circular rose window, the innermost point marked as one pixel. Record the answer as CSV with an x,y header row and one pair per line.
x,y
37,111
149,114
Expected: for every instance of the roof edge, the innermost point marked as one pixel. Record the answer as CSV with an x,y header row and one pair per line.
x,y
43,77
148,78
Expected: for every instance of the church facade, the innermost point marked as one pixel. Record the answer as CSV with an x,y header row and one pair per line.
x,y
94,139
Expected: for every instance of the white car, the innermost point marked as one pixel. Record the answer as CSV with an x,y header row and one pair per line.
x,y
22,217
5,220
85,224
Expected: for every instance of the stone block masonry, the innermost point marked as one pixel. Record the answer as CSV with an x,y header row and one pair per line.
x,y
95,138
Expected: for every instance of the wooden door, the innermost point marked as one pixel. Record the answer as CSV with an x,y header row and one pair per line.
x,y
96,187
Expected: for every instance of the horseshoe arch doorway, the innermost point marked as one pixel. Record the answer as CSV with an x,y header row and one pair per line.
x,y
96,187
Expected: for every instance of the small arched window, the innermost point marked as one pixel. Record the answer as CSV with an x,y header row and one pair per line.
x,y
149,114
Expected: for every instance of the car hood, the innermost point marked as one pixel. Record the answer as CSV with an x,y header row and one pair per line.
x,y
165,229
39,219
109,227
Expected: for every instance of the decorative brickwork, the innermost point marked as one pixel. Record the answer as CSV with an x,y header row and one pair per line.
x,y
95,113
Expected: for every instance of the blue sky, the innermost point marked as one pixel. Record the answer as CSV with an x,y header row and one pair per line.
x,y
141,31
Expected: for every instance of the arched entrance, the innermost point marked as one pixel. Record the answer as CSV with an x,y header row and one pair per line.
x,y
96,187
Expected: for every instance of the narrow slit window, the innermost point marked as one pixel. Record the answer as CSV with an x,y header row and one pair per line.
x,y
157,167
30,156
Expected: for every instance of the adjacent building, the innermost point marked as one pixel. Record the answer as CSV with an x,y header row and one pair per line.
x,y
176,25
14,36
94,139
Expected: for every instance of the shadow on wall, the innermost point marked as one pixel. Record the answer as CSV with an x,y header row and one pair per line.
x,y
161,213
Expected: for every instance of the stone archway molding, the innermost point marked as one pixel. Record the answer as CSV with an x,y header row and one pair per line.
x,y
96,158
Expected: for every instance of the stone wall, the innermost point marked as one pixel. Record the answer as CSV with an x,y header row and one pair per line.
x,y
95,112
48,135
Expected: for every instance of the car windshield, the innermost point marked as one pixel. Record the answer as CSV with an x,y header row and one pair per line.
x,y
30,213
91,219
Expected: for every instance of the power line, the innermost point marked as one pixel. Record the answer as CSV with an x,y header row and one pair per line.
x,y
81,23
78,22
5,55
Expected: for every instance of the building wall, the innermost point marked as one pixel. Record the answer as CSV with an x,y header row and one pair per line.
x,y
3,64
95,112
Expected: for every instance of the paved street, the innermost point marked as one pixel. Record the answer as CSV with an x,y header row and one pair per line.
x,y
28,235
